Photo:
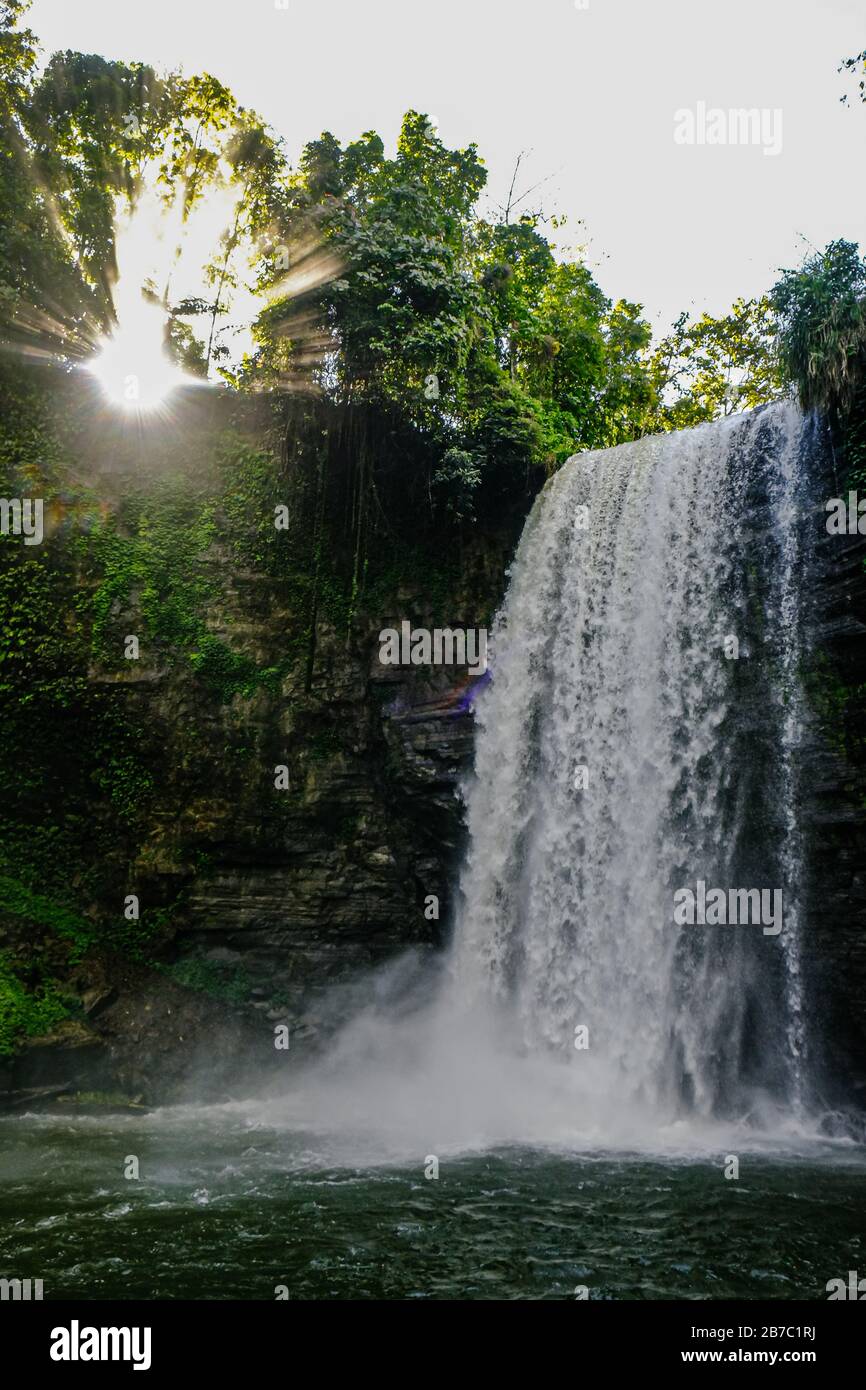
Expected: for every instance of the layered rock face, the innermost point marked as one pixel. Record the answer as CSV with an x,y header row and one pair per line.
x,y
318,832
286,892
305,885
835,813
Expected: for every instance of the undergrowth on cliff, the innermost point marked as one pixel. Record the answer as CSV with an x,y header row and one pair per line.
x,y
45,912
841,712
155,575
26,1012
75,762
225,982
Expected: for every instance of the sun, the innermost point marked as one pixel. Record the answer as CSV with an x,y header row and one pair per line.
x,y
132,366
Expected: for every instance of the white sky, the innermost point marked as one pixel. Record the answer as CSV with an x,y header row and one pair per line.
x,y
590,92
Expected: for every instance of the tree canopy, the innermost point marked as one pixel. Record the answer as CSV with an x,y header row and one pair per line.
x,y
379,283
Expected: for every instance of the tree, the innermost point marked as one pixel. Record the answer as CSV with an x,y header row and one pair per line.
x,y
45,303
92,127
713,367
525,351
855,64
822,319
102,133
257,169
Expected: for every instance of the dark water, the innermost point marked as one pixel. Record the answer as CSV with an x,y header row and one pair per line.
x,y
225,1209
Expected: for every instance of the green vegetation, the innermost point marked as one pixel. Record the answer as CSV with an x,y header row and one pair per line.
x,y
225,982
154,552
16,898
26,1010
822,344
495,357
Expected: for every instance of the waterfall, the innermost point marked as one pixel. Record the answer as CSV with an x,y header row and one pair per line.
x,y
640,736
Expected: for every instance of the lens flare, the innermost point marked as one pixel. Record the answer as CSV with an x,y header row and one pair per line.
x,y
133,367
132,363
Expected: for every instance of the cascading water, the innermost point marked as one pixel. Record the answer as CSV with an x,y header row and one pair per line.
x,y
640,734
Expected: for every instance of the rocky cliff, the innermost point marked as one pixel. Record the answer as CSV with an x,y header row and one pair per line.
x,y
835,810
290,810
